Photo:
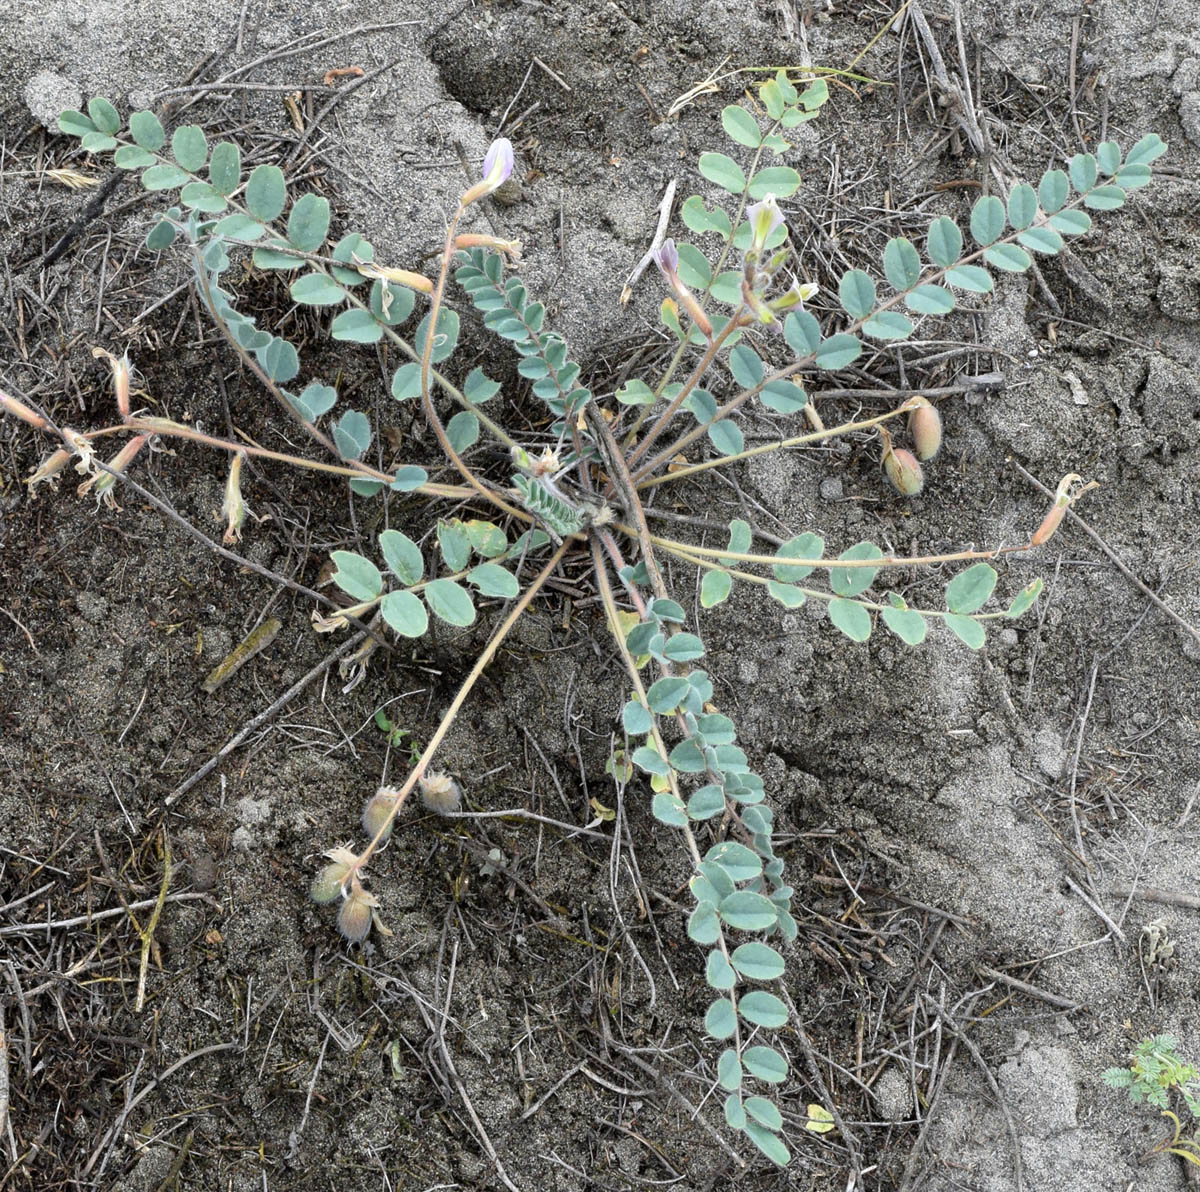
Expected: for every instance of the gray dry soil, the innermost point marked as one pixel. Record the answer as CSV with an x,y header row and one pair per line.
x,y
992,811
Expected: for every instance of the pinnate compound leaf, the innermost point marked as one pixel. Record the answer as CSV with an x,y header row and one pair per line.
x,y
967,630
726,436
715,588
200,196
1104,198
279,359
746,366
408,479
266,193
763,1009
359,578
455,544
163,177
667,694
406,381
131,157
405,613
636,718
1071,223
1147,151
450,602
402,556
765,1112
786,595
706,802
1041,239
851,618
739,862
1108,157
785,397
735,1115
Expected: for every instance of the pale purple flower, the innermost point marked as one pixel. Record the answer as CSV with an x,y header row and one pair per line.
x,y
498,164
764,217
666,257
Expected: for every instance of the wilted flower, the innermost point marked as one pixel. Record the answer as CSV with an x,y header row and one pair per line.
x,y
400,277
764,217
328,883
511,248
925,426
666,257
1070,488
49,469
22,411
105,482
440,793
901,467
234,508
497,169
120,378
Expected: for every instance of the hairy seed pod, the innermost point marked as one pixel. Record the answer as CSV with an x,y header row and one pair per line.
x,y
925,426
440,793
327,884
354,919
901,467
379,812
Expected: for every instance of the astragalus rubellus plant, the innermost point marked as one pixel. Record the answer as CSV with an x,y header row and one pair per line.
x,y
579,485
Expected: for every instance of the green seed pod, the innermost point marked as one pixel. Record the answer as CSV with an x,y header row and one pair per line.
x,y
378,813
440,793
925,426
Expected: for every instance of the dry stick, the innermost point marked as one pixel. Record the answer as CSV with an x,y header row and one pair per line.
x,y
4,1076
1153,894
148,933
263,716
1051,999
664,217
1133,579
111,913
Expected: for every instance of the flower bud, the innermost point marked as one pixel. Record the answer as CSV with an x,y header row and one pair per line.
x,y
354,919
901,467
511,248
497,168
22,411
925,426
440,793
379,813
1070,489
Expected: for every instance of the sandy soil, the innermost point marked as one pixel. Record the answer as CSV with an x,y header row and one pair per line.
x,y
980,843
